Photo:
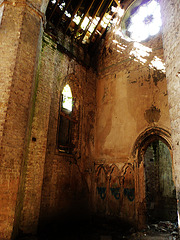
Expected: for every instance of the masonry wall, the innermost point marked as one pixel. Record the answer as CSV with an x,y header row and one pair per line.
x,y
20,31
131,98
66,177
170,18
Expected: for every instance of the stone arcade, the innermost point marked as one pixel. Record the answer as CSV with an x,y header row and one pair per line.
x,y
115,153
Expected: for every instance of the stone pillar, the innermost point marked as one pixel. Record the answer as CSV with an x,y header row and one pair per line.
x,y
20,37
170,10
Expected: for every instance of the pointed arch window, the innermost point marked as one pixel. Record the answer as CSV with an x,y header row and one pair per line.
x,y
66,121
67,98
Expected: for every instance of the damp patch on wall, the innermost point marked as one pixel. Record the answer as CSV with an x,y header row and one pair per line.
x,y
115,192
129,193
152,114
102,192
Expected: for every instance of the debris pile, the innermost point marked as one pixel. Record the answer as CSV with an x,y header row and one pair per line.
x,y
156,231
165,227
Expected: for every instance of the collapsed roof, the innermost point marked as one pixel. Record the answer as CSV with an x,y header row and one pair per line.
x,y
85,21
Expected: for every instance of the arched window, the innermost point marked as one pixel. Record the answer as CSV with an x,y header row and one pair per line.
x,y
67,98
66,121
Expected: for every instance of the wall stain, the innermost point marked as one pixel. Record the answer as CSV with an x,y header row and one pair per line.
x,y
158,76
102,192
152,114
129,193
115,192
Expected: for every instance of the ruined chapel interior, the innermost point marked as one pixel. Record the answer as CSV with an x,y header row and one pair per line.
x,y
89,117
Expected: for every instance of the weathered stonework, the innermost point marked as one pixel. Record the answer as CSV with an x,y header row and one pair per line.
x,y
119,111
65,183
19,43
171,42
131,98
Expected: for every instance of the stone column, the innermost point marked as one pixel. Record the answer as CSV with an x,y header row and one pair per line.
x,y
20,37
170,10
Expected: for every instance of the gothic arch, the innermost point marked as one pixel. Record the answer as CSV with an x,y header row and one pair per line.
x,y
148,136
143,141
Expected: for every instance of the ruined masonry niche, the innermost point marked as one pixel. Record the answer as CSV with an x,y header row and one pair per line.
x,y
160,189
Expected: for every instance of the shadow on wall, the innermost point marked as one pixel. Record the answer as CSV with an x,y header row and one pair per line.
x,y
67,209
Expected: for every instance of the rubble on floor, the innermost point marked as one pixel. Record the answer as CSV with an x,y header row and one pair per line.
x,y
162,230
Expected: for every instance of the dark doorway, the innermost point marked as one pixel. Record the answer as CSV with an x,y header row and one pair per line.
x,y
160,189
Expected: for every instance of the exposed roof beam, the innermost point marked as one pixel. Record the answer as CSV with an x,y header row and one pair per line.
x,y
82,19
90,22
117,2
73,14
66,7
101,17
99,37
53,11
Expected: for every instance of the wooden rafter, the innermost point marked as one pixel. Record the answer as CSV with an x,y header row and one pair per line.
x,y
99,37
117,2
93,16
53,11
82,19
101,17
66,7
73,14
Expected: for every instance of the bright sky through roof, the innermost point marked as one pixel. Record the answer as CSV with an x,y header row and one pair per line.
x,y
146,21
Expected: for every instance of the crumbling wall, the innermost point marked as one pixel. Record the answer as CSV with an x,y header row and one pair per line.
x,y
66,180
131,97
20,34
171,42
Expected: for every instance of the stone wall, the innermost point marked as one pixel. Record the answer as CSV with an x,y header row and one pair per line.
x,y
20,32
66,179
171,42
131,98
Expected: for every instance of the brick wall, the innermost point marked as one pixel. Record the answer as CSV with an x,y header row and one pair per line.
x,y
19,36
171,42
65,178
131,98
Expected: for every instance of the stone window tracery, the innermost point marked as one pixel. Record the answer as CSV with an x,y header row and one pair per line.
x,y
142,20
